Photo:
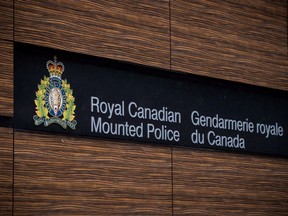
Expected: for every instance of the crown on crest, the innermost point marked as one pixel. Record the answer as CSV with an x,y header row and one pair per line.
x,y
55,68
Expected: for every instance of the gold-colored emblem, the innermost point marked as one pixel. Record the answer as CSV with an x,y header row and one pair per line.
x,y
54,99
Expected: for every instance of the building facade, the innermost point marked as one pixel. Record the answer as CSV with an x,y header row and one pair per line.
x,y
54,174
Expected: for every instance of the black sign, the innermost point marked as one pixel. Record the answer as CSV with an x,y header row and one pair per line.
x,y
65,92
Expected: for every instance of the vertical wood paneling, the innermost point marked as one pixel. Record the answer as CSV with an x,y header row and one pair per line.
x,y
244,41
217,183
6,171
136,31
57,175
6,78
6,19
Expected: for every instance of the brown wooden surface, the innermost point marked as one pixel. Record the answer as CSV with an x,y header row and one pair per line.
x,y
6,170
135,31
6,78
6,19
243,41
217,183
57,175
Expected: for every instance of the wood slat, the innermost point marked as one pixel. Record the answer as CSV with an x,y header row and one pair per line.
x,y
6,171
57,175
217,183
243,41
6,19
135,31
6,78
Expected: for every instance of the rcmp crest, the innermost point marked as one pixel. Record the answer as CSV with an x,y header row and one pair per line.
x,y
54,99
